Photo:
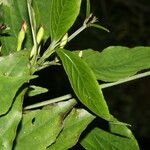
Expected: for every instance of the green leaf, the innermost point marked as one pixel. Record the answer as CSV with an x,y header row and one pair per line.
x,y
9,123
74,124
16,64
8,89
14,13
36,90
40,128
84,83
14,72
63,15
99,27
118,138
117,62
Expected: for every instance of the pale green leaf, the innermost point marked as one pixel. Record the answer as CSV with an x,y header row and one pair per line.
x,y
84,83
9,123
119,137
40,128
36,90
74,124
117,62
14,13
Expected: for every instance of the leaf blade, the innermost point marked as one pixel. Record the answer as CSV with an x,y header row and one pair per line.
x,y
118,137
117,62
74,124
84,83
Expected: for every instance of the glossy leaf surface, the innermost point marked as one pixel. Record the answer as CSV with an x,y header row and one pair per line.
x,y
84,83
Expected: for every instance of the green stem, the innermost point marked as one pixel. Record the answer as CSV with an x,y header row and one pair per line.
x,y
44,103
77,32
138,76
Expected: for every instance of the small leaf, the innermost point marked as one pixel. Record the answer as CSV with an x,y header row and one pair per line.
x,y
40,128
84,83
9,123
117,62
99,27
74,124
36,90
118,138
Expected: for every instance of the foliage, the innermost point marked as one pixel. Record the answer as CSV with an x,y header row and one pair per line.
x,y
27,28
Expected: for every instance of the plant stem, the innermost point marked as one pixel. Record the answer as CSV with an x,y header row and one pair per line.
x,y
138,76
77,32
54,100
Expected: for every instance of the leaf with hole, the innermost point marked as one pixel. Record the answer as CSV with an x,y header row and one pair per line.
x,y
40,128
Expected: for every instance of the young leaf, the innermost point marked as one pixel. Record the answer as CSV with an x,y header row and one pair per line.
x,y
40,128
117,62
14,14
74,124
84,83
36,90
118,138
9,123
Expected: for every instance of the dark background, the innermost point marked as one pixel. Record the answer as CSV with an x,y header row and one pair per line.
x,y
129,23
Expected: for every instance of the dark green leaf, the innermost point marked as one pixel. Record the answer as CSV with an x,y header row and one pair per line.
x,y
117,62
84,83
40,128
14,13
74,124
119,138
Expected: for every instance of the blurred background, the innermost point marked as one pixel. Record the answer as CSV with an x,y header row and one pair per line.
x,y
129,25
